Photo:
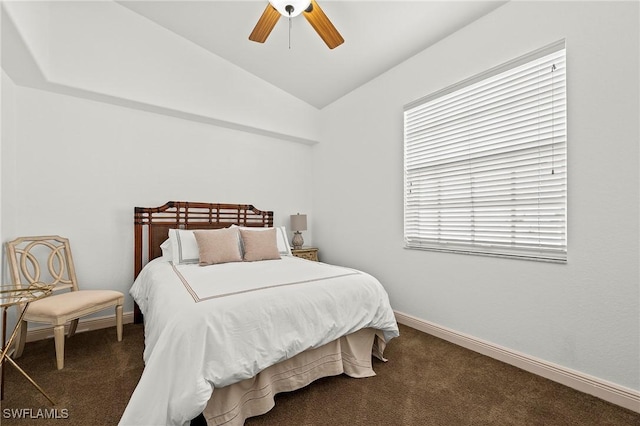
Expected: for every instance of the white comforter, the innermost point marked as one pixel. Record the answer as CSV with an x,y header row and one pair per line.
x,y
208,327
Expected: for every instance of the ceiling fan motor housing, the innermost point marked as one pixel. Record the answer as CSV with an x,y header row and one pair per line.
x,y
290,8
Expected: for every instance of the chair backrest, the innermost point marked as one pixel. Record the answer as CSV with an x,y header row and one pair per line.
x,y
43,259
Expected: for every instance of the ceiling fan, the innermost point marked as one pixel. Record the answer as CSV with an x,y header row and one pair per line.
x,y
291,8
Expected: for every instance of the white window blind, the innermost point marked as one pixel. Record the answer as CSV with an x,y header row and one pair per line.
x,y
485,162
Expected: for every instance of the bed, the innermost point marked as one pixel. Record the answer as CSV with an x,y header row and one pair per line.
x,y
223,337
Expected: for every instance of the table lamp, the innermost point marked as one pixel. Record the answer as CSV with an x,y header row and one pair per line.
x,y
298,223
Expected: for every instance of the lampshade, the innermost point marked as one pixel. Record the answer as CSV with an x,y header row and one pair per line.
x,y
298,222
298,6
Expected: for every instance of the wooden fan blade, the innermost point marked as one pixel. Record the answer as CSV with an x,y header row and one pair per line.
x,y
265,24
323,25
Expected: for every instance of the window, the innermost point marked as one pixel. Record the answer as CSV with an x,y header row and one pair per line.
x,y
485,162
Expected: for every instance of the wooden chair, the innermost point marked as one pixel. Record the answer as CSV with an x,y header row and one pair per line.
x,y
47,259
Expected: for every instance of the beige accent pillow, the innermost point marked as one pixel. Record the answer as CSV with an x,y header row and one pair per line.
x,y
218,246
259,245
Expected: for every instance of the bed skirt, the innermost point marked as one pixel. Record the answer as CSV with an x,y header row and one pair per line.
x,y
350,354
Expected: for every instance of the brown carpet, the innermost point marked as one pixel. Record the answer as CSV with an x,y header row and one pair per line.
x,y
427,381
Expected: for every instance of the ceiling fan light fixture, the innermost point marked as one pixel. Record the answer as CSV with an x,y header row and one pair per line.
x,y
283,6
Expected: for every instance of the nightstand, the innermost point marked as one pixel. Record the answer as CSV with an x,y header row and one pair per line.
x,y
309,253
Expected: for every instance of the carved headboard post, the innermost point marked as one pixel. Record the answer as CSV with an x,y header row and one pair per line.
x,y
137,238
186,215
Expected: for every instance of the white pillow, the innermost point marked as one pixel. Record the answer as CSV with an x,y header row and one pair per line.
x,y
167,254
281,238
184,247
283,241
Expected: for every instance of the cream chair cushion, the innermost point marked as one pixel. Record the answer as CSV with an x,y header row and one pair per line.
x,y
67,304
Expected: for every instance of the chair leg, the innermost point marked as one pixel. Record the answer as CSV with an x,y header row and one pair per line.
x,y
73,325
119,322
21,340
58,336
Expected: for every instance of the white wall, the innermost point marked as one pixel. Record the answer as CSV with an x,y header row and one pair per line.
x,y
583,315
7,127
78,168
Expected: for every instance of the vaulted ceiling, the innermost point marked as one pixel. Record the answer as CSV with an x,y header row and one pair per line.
x,y
378,35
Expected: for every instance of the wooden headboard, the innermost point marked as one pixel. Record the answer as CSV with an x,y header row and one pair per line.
x,y
152,224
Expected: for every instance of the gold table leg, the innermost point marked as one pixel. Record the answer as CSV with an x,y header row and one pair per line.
x,y
29,378
4,338
4,357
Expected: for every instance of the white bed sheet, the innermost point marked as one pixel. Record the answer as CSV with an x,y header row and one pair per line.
x,y
209,327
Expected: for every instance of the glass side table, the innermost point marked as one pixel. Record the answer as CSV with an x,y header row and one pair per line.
x,y
11,296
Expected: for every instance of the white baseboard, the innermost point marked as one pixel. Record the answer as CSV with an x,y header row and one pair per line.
x,y
83,325
611,392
